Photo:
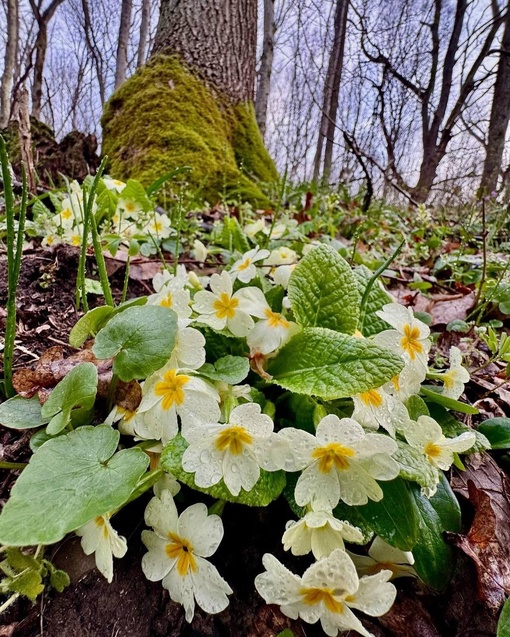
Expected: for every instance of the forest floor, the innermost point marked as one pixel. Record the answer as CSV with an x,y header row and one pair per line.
x,y
134,607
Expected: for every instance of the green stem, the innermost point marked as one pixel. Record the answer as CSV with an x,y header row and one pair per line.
x,y
126,280
12,465
277,211
9,602
81,292
178,235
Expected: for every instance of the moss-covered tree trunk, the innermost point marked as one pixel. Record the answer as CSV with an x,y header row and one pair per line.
x,y
192,103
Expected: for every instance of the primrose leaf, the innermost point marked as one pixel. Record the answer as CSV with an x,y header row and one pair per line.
x,y
77,389
323,291
69,481
434,396
89,324
140,338
232,236
229,369
267,489
503,629
377,298
324,363
415,466
496,430
21,413
28,583
135,193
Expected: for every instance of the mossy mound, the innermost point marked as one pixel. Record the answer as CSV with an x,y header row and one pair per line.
x,y
164,117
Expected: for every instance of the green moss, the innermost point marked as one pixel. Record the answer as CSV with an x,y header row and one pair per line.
x,y
164,117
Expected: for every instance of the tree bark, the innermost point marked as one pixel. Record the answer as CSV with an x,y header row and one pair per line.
x,y
500,115
144,32
266,66
216,38
9,61
331,91
122,43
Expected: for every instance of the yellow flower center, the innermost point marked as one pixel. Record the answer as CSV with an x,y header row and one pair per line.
x,y
181,550
449,379
225,306
67,213
75,240
314,596
275,319
167,301
410,341
245,264
100,523
158,226
171,388
333,454
50,240
371,398
130,206
118,183
234,439
126,413
396,382
432,450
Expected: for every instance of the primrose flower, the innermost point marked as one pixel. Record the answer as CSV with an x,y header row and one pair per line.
x,y
245,269
341,462
159,225
220,308
200,252
234,451
281,256
383,557
99,537
171,393
189,348
177,551
407,383
65,218
251,229
320,532
114,184
410,337
456,377
427,436
171,292
73,235
131,208
376,408
51,239
327,591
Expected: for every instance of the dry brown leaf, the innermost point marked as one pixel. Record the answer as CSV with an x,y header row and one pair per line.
x,y
407,617
448,310
144,270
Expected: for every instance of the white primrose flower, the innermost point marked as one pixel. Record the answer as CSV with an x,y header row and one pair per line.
x,y
426,436
177,551
456,377
65,218
407,383
174,281
51,239
281,256
410,337
251,229
124,419
99,537
319,532
327,591
341,462
114,184
383,557
167,482
234,451
272,330
245,269
74,235
171,393
376,408
189,348
220,308
159,225
131,208
200,252
281,275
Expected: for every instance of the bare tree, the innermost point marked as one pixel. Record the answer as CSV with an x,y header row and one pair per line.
x,y
266,66
123,42
9,61
144,32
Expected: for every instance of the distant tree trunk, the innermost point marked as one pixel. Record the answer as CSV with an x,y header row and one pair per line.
x,y
216,38
144,32
331,91
42,18
93,50
122,43
500,115
9,61
266,66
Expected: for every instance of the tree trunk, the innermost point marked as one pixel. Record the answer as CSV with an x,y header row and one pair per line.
x,y
144,32
216,38
500,115
331,90
266,66
9,61
122,43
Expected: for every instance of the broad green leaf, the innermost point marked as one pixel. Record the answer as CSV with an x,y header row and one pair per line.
x,y
28,584
229,369
267,489
415,466
434,558
135,193
452,427
58,579
21,413
89,324
21,561
69,481
323,291
433,396
232,236
140,338
218,345
496,430
324,363
106,202
417,407
394,518
76,390
503,629
377,298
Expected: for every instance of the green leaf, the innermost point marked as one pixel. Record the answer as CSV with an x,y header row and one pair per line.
x,y
434,558
21,561
414,466
267,489
156,185
416,407
503,629
28,584
93,287
229,369
324,363
135,192
106,202
323,291
452,427
89,324
59,579
286,633
394,517
496,430
69,481
77,389
140,338
433,396
377,298
21,413
232,236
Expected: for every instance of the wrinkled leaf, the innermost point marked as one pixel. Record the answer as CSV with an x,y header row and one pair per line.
x,y
229,369
377,298
415,466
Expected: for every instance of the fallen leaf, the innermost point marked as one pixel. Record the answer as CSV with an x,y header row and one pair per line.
x,y
448,310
